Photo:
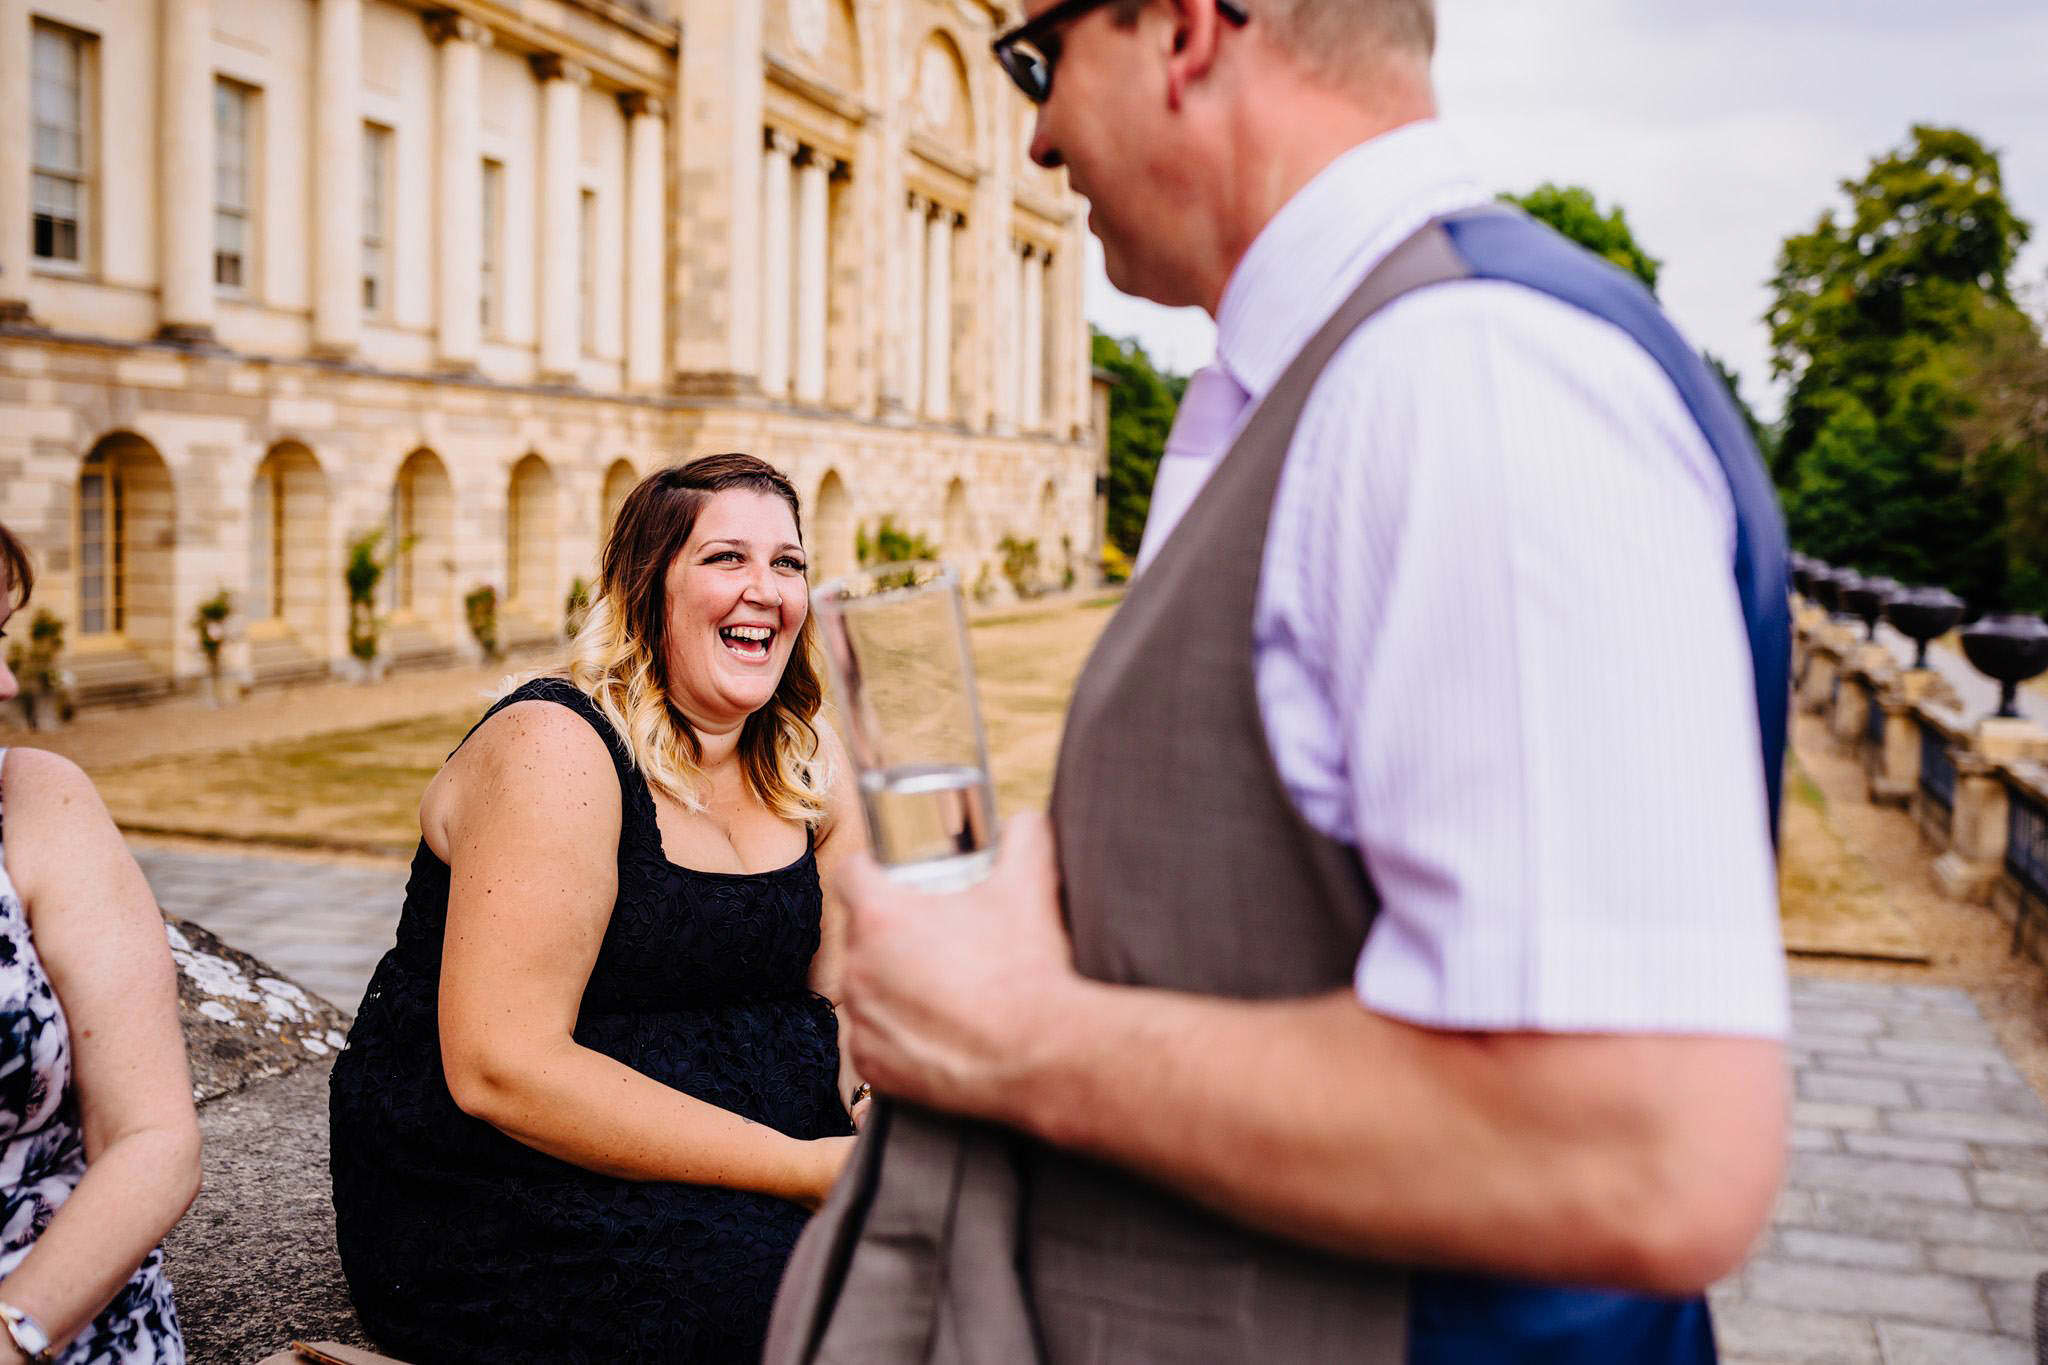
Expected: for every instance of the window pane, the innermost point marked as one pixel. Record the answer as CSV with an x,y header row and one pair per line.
x,y
375,143
92,531
56,197
373,278
55,218
58,145
230,145
56,56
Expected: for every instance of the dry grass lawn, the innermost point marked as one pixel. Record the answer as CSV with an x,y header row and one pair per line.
x,y
359,789
1830,899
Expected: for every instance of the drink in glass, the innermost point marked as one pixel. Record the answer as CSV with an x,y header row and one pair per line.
x,y
895,640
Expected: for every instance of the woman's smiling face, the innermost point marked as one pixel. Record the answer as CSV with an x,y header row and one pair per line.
x,y
737,597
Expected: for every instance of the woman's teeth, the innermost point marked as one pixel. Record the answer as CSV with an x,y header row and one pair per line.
x,y
747,640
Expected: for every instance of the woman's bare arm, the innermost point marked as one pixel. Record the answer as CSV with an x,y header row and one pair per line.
x,y
101,939
528,814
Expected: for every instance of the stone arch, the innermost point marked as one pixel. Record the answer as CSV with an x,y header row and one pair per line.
x,y
289,573
421,537
619,480
125,529
956,538
822,35
832,529
942,97
531,561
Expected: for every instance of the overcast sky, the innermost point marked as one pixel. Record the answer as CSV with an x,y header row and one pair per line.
x,y
1721,126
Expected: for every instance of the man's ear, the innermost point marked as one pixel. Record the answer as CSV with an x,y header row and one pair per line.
x,y
1192,39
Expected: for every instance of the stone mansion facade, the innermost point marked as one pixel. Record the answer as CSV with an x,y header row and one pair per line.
x,y
275,273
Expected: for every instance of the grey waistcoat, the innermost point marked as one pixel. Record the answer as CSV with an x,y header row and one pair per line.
x,y
1186,866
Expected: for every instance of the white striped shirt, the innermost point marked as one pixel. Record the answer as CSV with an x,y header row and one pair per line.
x,y
1498,644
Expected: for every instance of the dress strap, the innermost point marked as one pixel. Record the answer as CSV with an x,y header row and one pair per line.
x,y
566,694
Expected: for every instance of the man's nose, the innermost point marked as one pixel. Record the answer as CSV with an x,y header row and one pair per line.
x,y
1042,149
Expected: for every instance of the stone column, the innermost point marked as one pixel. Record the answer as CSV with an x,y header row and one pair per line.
x,y
1977,832
716,219
459,180
1010,338
1031,357
561,322
1073,315
938,314
775,263
1895,769
185,172
16,248
338,182
911,333
813,206
645,289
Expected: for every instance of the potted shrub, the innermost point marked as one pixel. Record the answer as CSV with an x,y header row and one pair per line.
x,y
575,608
38,668
480,607
1020,564
362,573
210,625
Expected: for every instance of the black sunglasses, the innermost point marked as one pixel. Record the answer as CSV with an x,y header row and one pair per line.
x,y
1030,51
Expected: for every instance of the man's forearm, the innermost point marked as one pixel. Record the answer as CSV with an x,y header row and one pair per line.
x,y
1641,1163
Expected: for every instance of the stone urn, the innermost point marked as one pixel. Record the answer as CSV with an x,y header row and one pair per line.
x,y
1864,599
1923,615
2008,648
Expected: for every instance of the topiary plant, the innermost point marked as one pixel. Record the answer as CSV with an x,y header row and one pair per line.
x,y
480,606
362,573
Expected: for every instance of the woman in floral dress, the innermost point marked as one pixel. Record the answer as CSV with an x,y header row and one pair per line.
x,y
99,1145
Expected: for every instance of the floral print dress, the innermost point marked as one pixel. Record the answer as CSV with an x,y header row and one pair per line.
x,y
42,1150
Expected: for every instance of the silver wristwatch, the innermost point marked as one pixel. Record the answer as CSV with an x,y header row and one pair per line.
x,y
28,1334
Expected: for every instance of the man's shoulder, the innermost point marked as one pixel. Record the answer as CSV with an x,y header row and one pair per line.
x,y
1469,338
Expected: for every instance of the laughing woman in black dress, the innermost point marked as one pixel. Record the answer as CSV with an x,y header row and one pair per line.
x,y
594,1089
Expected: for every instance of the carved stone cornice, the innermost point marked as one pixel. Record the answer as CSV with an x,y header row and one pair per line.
x,y
552,66
446,26
640,104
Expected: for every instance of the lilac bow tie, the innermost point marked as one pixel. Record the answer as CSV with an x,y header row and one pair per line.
x,y
1209,414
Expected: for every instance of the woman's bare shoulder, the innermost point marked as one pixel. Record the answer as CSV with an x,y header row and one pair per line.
x,y
37,778
541,752
538,730
48,803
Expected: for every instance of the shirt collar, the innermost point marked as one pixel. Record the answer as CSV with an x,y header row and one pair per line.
x,y
1323,241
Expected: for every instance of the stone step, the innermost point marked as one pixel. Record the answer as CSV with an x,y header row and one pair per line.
x,y
114,675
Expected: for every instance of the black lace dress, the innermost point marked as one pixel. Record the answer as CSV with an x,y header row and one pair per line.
x,y
462,1244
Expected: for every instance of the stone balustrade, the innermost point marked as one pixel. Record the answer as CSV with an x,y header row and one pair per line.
x,y
1976,785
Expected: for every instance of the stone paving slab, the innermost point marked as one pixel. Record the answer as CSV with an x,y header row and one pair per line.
x,y
1913,1219
324,925
1915,1210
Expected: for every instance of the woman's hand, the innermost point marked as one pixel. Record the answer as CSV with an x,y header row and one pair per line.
x,y
820,1161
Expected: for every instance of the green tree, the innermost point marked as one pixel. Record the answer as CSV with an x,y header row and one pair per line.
x,y
1765,438
1141,408
1573,211
2005,446
1883,305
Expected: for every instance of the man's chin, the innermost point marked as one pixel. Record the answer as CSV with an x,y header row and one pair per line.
x,y
1127,278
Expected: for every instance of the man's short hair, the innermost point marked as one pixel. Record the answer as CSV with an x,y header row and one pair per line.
x,y
1339,39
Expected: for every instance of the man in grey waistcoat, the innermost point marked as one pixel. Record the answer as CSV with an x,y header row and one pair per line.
x,y
1397,977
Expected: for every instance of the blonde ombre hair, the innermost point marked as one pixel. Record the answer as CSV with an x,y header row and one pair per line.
x,y
619,658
